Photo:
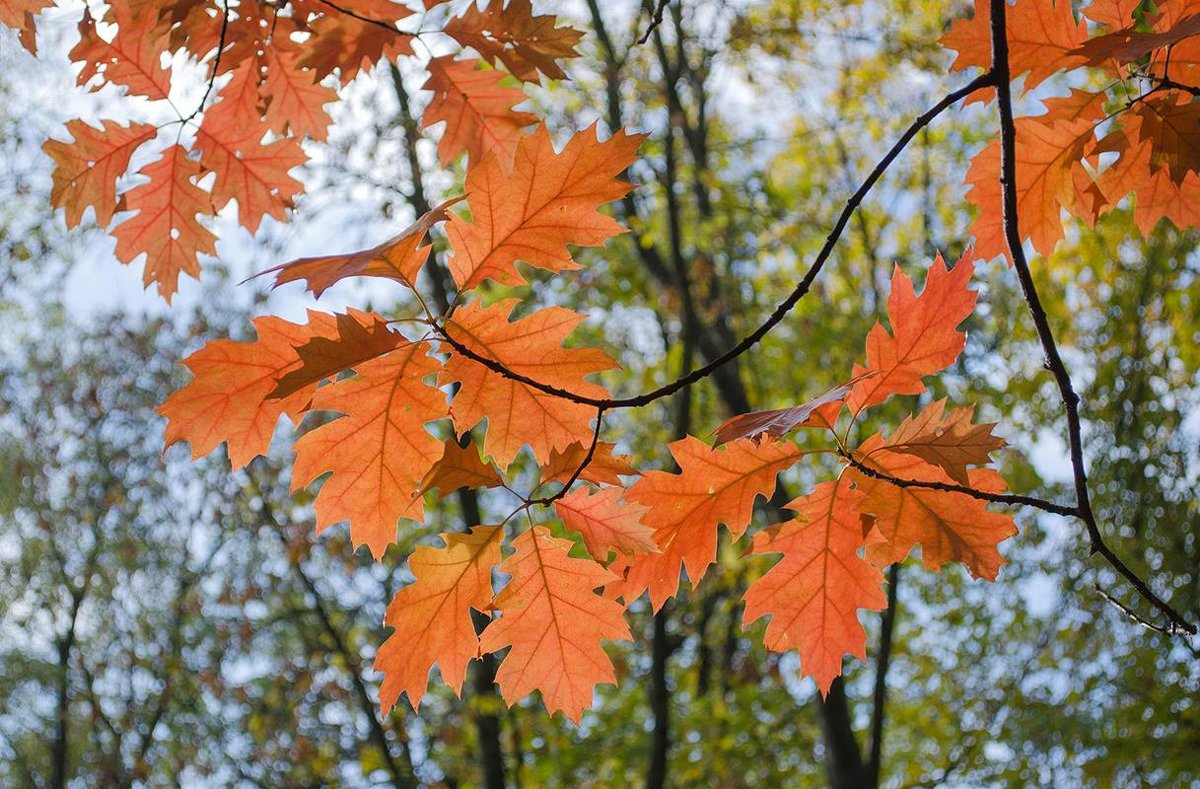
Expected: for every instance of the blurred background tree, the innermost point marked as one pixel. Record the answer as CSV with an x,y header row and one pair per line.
x,y
169,622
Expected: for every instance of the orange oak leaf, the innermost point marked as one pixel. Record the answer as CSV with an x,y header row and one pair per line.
x,y
605,522
1181,60
714,486
949,527
226,400
554,622
924,337
1172,129
1113,14
253,174
477,108
1042,38
238,116
166,227
353,36
131,58
1157,195
432,615
460,467
511,34
547,201
518,414
86,170
813,594
947,440
379,451
1125,46
18,15
357,337
778,422
294,100
1050,176
399,258
604,468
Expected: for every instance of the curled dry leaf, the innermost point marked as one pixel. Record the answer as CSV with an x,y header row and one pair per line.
x,y
780,421
399,258
947,440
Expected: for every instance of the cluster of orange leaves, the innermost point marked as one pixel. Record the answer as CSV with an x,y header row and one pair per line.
x,y
273,67
1137,134
406,417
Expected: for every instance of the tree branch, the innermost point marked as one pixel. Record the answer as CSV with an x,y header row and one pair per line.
x,y
1054,362
993,498
781,311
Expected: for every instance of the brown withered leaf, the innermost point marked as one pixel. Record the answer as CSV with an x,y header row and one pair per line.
x,y
399,258
360,337
460,467
778,422
946,439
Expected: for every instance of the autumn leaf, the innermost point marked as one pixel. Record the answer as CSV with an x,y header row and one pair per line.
x,y
813,594
714,486
518,414
924,338
778,422
947,440
949,527
19,14
460,467
166,226
1157,195
1113,14
1050,176
477,109
253,174
357,337
86,170
605,467
432,615
1172,129
238,116
399,258
547,201
605,522
1042,38
511,34
1126,46
131,58
379,451
226,400
349,43
294,100
554,622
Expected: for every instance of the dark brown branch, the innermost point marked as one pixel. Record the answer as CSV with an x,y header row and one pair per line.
x,y
879,697
400,777
656,18
781,311
1054,362
947,487
587,459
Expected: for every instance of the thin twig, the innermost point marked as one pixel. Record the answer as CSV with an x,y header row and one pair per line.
x,y
212,78
587,459
1137,618
656,19
781,311
1053,362
388,26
